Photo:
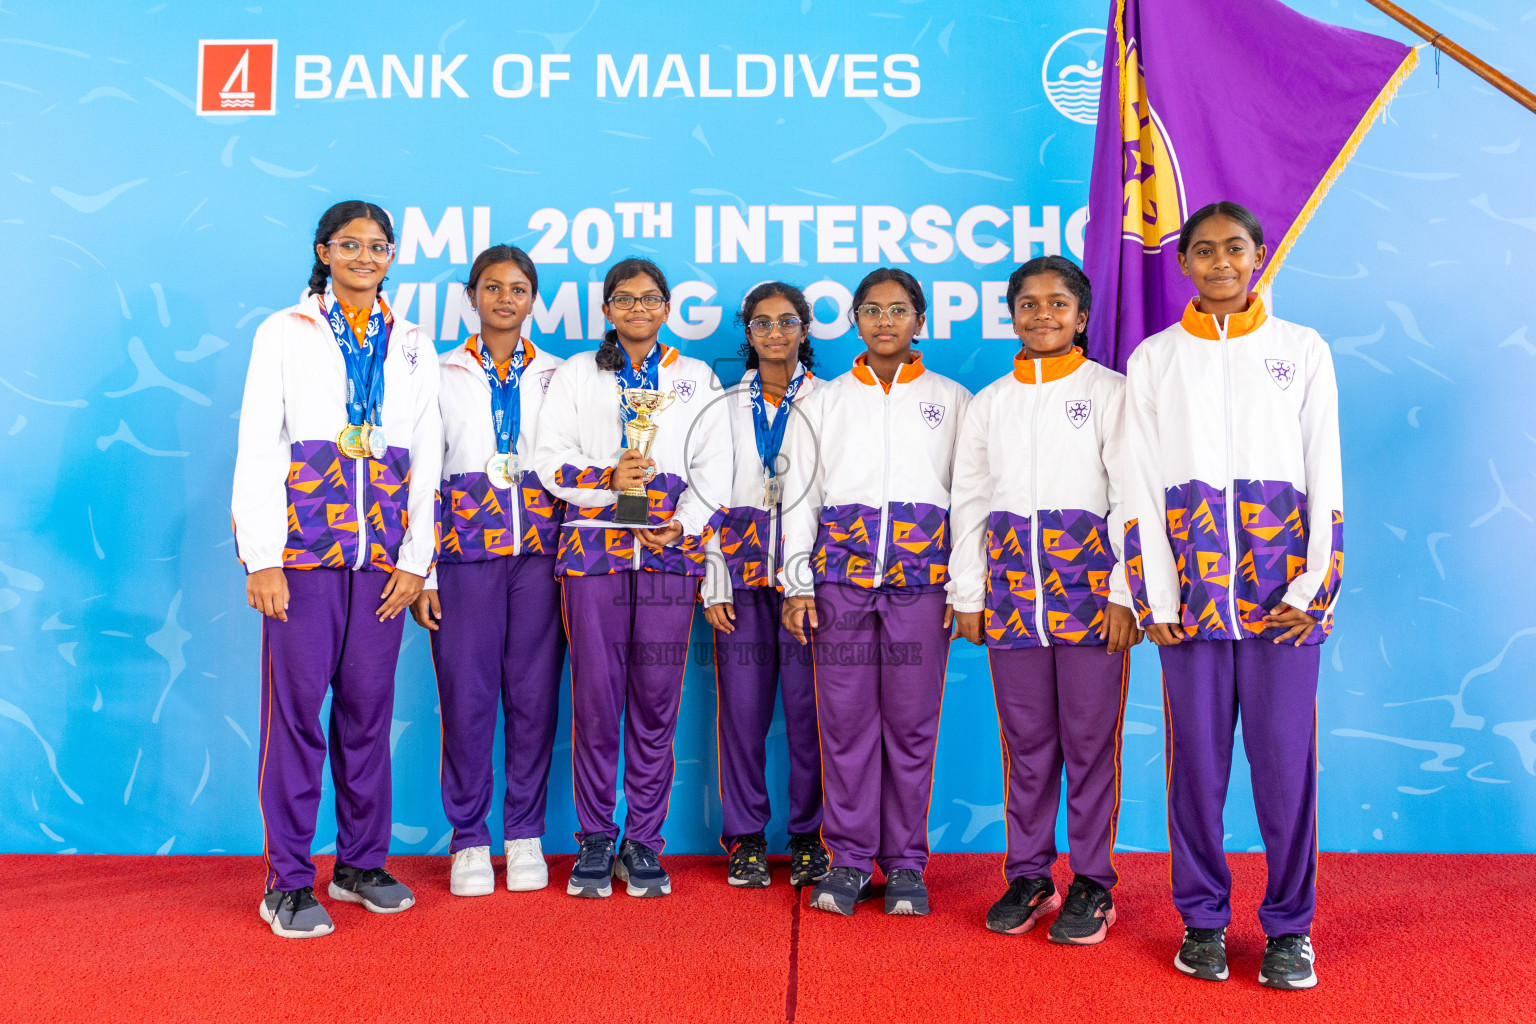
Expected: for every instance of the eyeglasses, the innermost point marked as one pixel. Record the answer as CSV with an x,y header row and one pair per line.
x,y
352,249
628,301
762,326
872,313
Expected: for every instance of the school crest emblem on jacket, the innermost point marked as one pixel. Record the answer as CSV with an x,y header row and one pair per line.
x,y
1078,410
684,389
1281,371
933,413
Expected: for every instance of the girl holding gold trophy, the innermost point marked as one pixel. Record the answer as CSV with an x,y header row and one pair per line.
x,y
635,420
492,604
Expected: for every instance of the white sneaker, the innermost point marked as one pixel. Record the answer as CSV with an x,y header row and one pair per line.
x,y
472,874
526,870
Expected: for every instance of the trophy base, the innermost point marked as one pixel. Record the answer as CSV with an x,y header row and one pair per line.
x,y
632,510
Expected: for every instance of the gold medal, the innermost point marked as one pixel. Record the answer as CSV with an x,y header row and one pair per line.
x,y
350,442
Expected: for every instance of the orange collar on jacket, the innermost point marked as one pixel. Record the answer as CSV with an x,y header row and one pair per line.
x,y
472,346
907,372
668,357
1051,369
1203,325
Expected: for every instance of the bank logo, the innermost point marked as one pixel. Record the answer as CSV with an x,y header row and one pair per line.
x,y
1072,74
236,76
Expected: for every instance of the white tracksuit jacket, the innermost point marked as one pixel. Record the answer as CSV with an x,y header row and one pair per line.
x,y
481,522
747,548
1234,484
866,495
580,439
1036,512
298,502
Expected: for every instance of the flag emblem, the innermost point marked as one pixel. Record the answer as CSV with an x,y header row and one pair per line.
x,y
236,76
1154,188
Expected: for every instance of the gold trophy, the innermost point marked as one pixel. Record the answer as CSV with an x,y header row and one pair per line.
x,y
632,507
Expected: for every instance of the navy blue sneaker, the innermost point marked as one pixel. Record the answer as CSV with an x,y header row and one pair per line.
x,y
591,877
841,890
905,893
639,868
808,859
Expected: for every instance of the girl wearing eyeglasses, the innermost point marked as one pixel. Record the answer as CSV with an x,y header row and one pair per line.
x,y
866,553
628,593
754,655
492,604
334,511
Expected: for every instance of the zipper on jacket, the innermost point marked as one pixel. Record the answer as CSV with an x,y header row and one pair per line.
x,y
1034,506
1226,372
362,522
885,505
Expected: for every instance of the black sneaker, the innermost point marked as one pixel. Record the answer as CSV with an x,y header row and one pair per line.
x,y
905,893
1085,916
1288,962
840,890
591,876
1204,954
808,860
748,866
376,889
1023,905
640,868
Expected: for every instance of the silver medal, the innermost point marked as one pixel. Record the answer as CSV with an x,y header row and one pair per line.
x,y
376,442
773,490
499,472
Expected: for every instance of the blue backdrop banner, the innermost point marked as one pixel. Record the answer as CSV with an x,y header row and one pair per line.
x,y
163,170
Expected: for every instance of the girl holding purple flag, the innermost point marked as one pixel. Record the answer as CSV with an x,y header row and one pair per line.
x,y
628,593
492,604
1036,577
754,655
1234,553
334,511
866,556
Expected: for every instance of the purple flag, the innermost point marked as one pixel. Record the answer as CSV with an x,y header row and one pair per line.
x,y
1205,100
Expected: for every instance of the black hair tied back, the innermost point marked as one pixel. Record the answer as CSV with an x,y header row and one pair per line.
x,y
1071,275
609,355
332,221
795,297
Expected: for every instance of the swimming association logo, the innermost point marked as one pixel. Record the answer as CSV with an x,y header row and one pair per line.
x,y
236,76
1072,73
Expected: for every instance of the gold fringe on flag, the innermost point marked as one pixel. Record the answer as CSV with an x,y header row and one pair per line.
x,y
1346,154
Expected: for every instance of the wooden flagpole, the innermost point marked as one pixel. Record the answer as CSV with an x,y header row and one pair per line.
x,y
1500,81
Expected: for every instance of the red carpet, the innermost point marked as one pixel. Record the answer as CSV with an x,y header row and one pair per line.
x,y
1399,938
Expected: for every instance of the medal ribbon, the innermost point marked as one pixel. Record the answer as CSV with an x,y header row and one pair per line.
x,y
770,437
365,363
506,399
644,377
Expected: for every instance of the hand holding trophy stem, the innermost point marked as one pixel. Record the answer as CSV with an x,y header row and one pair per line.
x,y
632,507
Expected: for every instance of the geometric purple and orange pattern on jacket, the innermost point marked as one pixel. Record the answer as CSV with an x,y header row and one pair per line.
x,y
597,551
1075,562
323,529
916,552
479,521
1271,533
